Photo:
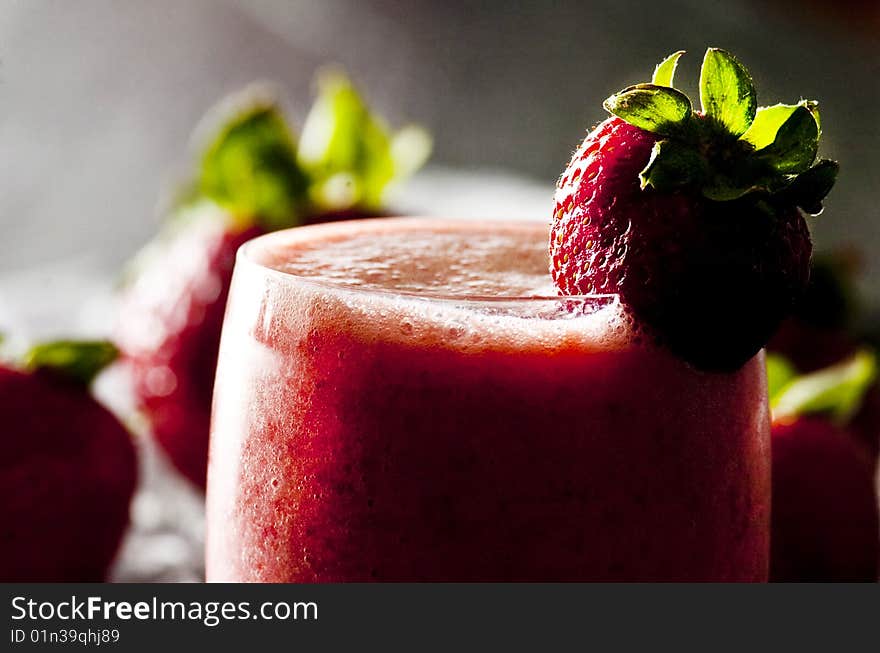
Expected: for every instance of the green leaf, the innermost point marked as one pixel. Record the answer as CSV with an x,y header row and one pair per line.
x,y
410,149
350,152
664,73
727,93
733,149
657,109
80,360
250,167
768,120
779,372
809,188
672,165
724,188
345,149
836,391
796,144
813,106
740,175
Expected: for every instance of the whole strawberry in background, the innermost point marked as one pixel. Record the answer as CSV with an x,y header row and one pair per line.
x,y
694,218
255,176
68,468
827,325
824,517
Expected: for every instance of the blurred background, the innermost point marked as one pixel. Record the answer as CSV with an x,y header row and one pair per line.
x,y
98,100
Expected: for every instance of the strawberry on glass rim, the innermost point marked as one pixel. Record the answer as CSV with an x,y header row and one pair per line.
x,y
695,219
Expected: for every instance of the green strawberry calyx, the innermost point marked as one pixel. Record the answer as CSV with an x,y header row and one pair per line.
x,y
80,360
732,147
254,165
836,391
249,166
348,151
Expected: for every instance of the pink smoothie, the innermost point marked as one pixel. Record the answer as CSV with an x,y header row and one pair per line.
x,y
374,422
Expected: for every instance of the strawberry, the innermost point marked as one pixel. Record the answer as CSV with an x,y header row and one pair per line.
x,y
254,177
824,328
169,329
820,330
69,468
824,516
694,219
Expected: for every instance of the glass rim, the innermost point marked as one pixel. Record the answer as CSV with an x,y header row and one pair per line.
x,y
246,255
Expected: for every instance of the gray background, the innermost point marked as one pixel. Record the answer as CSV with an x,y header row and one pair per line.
x,y
98,98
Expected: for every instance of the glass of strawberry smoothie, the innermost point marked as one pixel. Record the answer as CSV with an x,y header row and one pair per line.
x,y
408,400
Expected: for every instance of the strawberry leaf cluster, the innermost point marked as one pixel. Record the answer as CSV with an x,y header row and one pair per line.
x,y
732,148
255,166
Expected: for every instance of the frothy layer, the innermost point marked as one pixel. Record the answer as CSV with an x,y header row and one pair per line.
x,y
471,286
484,263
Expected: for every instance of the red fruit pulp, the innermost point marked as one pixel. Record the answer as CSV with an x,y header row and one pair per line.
x,y
361,434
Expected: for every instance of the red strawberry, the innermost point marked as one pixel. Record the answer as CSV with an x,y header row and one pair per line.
x,y
823,329
169,329
68,469
824,514
253,179
693,218
824,517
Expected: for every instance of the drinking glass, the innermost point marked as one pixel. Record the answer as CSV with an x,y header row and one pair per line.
x,y
364,434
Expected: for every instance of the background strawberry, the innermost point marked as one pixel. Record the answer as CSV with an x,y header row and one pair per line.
x,y
694,218
824,517
169,328
828,325
254,177
67,468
